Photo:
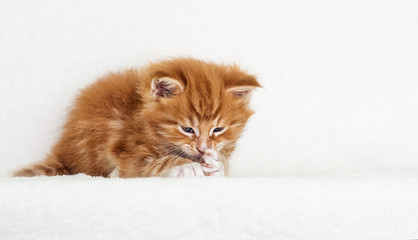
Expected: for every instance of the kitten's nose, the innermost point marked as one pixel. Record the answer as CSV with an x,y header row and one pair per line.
x,y
203,144
202,149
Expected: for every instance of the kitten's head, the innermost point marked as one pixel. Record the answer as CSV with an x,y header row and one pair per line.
x,y
191,105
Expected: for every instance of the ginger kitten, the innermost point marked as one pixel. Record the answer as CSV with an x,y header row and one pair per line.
x,y
179,117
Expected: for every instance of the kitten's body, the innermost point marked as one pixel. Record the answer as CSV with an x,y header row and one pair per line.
x,y
136,123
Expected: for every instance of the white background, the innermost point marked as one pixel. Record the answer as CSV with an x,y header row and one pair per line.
x,y
340,77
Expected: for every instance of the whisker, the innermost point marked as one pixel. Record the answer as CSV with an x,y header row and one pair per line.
x,y
175,150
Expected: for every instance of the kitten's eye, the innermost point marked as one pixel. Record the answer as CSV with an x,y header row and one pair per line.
x,y
188,129
218,129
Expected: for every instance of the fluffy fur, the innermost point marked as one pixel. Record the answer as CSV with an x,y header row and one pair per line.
x,y
136,122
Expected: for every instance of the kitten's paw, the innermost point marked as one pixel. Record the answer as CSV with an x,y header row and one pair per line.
x,y
187,170
211,165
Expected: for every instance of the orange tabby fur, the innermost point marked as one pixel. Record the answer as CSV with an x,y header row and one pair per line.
x,y
123,121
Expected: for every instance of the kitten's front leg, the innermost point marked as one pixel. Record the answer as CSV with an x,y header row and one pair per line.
x,y
173,166
155,166
209,166
187,170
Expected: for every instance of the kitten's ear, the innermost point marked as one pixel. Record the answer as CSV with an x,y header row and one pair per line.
x,y
241,92
165,87
242,85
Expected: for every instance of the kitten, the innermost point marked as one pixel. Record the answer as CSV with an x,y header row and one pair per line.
x,y
179,117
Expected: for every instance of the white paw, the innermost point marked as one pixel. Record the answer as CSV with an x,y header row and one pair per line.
x,y
187,170
211,165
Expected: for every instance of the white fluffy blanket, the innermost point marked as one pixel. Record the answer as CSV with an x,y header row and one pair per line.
x,y
82,207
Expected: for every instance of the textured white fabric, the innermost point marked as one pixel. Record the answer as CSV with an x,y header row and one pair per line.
x,y
82,207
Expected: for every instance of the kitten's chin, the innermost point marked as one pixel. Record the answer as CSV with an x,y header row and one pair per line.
x,y
179,152
193,157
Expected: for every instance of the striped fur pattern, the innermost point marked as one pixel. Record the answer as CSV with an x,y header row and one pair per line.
x,y
150,122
